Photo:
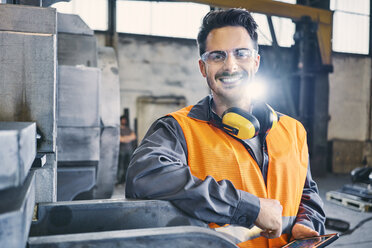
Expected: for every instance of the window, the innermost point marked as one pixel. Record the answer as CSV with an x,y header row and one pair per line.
x,y
350,26
160,18
93,12
284,29
263,31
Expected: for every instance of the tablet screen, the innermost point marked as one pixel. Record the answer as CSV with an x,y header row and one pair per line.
x,y
320,241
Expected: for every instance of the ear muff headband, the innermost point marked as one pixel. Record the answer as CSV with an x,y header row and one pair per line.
x,y
273,118
240,124
266,115
243,125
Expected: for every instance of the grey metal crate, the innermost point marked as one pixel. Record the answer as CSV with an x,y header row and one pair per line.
x,y
17,152
78,96
77,50
78,143
72,24
107,215
108,163
28,82
46,180
16,210
21,18
165,237
110,87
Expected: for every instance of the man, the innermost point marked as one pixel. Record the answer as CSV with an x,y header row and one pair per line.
x,y
127,137
189,159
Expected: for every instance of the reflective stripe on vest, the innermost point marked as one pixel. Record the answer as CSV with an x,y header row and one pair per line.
x,y
212,152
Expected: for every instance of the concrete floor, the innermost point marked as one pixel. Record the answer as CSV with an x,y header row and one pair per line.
x,y
360,238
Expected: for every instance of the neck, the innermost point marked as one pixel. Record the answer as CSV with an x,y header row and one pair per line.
x,y
220,106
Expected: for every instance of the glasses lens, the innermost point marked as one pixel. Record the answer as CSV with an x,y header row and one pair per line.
x,y
216,57
243,53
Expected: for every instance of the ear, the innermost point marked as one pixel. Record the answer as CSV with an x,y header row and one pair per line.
x,y
202,68
257,63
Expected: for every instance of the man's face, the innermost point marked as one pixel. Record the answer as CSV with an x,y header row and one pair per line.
x,y
228,80
123,121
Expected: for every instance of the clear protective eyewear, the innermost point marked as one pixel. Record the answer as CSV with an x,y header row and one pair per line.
x,y
219,57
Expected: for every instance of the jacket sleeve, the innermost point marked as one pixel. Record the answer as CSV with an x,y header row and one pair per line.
x,y
159,170
311,211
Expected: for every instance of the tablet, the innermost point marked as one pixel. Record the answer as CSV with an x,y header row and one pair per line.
x,y
318,242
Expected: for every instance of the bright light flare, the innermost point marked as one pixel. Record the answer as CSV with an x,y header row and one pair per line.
x,y
257,89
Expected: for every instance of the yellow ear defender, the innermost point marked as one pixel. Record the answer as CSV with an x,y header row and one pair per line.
x,y
244,125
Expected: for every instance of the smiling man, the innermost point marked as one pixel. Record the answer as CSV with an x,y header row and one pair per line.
x,y
229,62
226,159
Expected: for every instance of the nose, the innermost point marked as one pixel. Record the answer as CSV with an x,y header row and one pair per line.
x,y
231,65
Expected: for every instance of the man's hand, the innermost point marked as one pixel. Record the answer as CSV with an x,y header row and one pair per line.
x,y
300,231
270,218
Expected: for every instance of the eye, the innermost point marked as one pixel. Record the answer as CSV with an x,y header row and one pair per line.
x,y
217,56
242,53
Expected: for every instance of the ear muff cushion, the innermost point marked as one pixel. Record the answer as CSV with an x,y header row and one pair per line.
x,y
266,115
240,123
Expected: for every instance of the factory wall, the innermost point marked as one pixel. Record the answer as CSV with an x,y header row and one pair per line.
x,y
160,67
349,128
349,100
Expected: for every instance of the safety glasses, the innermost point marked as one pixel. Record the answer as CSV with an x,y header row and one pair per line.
x,y
219,57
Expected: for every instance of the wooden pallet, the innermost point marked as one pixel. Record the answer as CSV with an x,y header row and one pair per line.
x,y
349,201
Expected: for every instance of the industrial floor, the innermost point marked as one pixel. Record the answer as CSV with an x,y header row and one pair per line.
x,y
361,237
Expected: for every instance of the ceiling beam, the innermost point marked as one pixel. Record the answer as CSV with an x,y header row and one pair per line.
x,y
293,11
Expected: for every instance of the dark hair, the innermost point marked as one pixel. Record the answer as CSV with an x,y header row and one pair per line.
x,y
126,118
223,18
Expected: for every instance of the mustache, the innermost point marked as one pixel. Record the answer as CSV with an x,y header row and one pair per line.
x,y
227,74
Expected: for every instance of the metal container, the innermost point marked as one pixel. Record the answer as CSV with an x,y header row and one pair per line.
x,y
78,96
110,87
78,144
166,237
17,152
21,18
72,24
28,82
16,209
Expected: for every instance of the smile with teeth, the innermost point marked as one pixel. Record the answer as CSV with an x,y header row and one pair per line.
x,y
230,79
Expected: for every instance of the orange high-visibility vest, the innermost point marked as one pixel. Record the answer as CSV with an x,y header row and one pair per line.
x,y
212,152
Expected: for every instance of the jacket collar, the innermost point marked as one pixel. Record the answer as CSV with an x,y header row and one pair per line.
x,y
202,110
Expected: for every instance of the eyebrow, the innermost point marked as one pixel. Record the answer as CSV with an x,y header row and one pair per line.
x,y
232,49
